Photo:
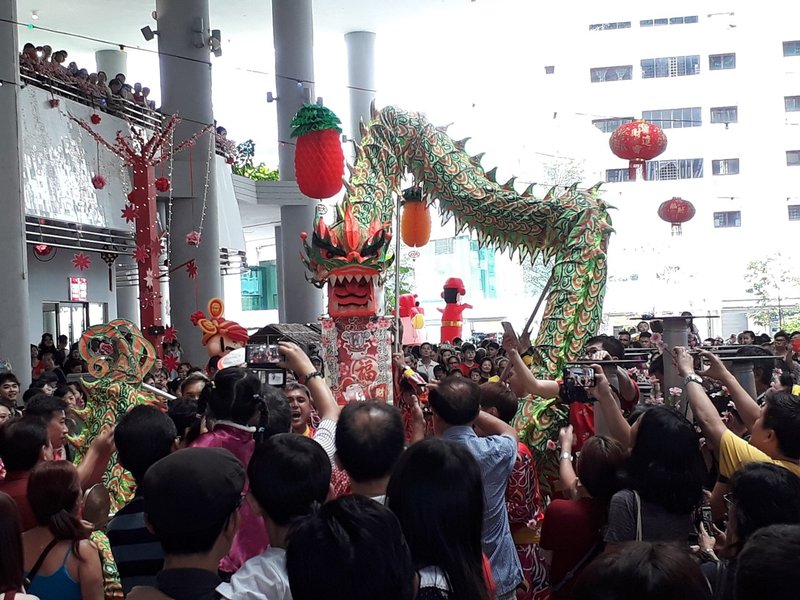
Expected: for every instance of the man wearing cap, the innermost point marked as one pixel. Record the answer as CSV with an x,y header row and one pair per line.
x,y
191,502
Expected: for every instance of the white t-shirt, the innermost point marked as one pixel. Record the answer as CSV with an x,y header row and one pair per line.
x,y
325,436
263,576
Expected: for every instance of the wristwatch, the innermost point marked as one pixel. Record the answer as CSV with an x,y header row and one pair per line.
x,y
692,378
565,456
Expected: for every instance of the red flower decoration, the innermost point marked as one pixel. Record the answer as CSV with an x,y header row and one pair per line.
x,y
162,184
229,160
106,349
130,213
95,118
99,182
54,102
141,253
191,269
132,197
171,363
170,335
196,317
81,261
193,238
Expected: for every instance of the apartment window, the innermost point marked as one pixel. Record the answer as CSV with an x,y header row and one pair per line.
x,y
730,218
549,69
620,73
617,175
674,118
792,103
720,62
791,48
670,66
793,158
609,125
794,212
668,170
443,246
725,166
725,114
670,21
610,26
260,287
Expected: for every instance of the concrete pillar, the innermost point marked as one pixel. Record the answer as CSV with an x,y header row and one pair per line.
x,y
112,62
14,334
128,303
293,32
675,334
186,90
360,77
743,372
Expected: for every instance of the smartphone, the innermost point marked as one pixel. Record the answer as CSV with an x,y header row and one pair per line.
x,y
707,519
262,354
580,376
509,329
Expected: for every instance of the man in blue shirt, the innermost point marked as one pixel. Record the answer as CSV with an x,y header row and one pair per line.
x,y
493,443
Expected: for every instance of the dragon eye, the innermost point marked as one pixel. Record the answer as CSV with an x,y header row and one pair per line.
x,y
374,248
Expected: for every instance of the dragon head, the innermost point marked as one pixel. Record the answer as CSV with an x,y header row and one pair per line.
x,y
352,260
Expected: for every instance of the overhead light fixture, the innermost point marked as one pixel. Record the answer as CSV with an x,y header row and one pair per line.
x,y
148,33
35,15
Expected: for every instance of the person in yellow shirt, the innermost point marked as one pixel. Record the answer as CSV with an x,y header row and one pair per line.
x,y
774,426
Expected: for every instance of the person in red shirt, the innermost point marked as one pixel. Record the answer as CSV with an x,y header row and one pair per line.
x,y
23,444
468,359
572,529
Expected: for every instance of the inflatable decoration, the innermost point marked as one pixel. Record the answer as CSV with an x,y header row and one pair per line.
x,y
412,315
220,336
118,357
451,313
318,157
568,229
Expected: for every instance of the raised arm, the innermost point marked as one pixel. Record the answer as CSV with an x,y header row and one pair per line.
x,y
704,411
321,396
487,424
618,427
94,463
525,377
746,405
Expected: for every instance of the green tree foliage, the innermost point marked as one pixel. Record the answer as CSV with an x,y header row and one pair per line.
x,y
406,283
771,281
243,164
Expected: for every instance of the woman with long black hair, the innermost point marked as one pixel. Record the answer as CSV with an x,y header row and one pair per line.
x,y
437,494
11,571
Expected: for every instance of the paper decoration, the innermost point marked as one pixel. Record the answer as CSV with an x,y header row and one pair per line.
x,y
81,261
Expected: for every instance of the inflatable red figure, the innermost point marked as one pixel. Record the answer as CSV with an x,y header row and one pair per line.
x,y
451,313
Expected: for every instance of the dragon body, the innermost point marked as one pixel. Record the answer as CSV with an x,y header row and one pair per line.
x,y
569,230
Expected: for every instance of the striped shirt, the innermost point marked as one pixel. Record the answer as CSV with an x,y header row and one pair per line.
x,y
137,552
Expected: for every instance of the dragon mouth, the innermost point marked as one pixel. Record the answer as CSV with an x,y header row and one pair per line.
x,y
351,292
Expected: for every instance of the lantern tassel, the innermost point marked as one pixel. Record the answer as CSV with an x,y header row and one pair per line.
x,y
677,230
632,170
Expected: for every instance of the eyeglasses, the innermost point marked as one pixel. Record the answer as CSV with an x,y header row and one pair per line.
x,y
728,498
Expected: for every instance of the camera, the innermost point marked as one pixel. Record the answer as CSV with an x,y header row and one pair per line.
x,y
263,359
576,380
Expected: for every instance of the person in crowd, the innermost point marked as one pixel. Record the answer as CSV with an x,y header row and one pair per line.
x,y
102,83
60,562
748,337
467,359
453,363
11,566
761,494
523,499
193,385
235,402
192,500
624,338
289,477
370,437
24,443
767,565
426,364
300,402
438,373
62,350
279,418
572,530
9,391
5,413
151,104
774,426
436,492
493,351
456,409
487,370
475,376
355,550
646,339
655,571
143,436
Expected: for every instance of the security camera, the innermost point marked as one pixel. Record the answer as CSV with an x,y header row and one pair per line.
x,y
148,33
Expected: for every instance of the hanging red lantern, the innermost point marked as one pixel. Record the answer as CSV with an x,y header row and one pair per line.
x,y
42,250
675,212
162,184
638,142
318,156
415,222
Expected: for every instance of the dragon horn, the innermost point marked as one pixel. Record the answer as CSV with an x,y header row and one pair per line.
x,y
491,174
528,193
551,193
509,185
362,128
373,112
461,144
476,160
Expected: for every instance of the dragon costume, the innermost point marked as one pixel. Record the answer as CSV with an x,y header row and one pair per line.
x,y
569,230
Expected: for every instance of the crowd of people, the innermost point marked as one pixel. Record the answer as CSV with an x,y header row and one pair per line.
x,y
250,491
42,63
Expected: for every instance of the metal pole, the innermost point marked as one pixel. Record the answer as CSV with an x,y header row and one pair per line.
x,y
398,342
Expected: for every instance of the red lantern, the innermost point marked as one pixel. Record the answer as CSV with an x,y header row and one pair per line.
x,y
318,156
42,250
638,142
676,211
162,184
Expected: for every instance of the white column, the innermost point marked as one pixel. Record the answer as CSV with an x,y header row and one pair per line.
x,y
293,32
360,77
14,300
186,91
112,62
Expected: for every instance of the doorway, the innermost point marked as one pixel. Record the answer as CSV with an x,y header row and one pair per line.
x,y
72,318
